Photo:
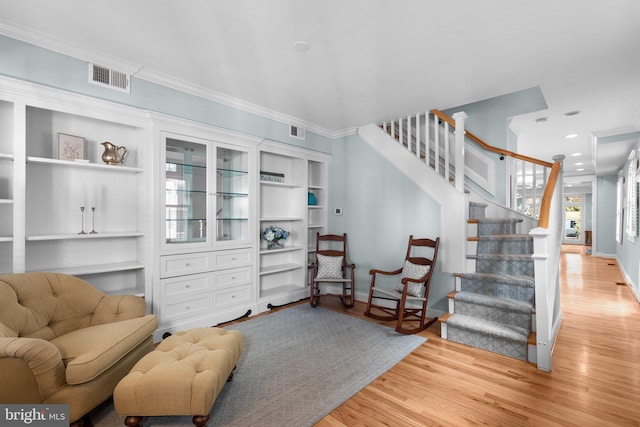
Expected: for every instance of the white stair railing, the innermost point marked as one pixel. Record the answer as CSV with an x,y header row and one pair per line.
x,y
547,240
439,141
535,189
433,141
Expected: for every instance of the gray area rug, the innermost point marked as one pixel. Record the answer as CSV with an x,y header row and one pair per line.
x,y
298,365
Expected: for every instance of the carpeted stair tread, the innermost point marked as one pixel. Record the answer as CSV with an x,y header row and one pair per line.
x,y
476,210
525,281
488,327
512,257
520,288
505,237
496,302
500,220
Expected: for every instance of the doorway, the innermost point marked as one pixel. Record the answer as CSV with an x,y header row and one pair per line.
x,y
573,219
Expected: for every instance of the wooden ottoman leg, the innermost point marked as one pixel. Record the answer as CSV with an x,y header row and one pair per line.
x,y
200,420
133,421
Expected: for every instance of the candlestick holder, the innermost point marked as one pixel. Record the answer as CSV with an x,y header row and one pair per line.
x,y
93,221
82,214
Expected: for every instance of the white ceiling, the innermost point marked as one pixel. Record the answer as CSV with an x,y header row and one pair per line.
x,y
372,60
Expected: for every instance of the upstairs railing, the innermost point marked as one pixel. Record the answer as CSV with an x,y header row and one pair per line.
x,y
431,136
535,189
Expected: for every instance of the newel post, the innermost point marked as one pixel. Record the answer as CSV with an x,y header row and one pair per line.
x,y
459,149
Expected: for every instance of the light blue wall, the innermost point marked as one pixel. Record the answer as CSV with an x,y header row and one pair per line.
x,y
588,209
381,208
605,229
27,62
489,120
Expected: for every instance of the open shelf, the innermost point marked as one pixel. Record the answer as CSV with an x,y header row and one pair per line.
x,y
281,291
69,236
279,184
98,268
275,251
126,291
77,164
279,268
6,156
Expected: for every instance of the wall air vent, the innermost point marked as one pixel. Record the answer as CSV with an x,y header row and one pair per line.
x,y
106,77
296,132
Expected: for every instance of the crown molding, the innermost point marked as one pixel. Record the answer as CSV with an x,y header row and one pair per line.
x,y
77,51
74,50
230,101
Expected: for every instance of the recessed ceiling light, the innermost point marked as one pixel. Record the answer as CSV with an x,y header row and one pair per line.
x,y
579,164
571,135
572,113
301,46
580,169
576,154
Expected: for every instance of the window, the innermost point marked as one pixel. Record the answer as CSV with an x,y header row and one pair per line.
x,y
619,208
631,223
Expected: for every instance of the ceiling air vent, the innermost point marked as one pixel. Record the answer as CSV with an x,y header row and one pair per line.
x,y
296,132
106,77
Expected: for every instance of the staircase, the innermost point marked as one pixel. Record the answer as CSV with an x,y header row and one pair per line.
x,y
497,304
493,308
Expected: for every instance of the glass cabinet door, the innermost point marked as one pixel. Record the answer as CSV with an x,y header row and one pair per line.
x,y
232,194
185,191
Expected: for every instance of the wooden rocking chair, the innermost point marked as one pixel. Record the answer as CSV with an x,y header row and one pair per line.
x,y
413,287
331,266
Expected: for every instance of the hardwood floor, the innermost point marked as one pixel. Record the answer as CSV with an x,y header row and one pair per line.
x,y
595,379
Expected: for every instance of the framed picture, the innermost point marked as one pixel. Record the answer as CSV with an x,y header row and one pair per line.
x,y
70,147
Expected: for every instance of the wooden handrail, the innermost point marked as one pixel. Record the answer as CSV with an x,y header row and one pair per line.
x,y
442,116
545,204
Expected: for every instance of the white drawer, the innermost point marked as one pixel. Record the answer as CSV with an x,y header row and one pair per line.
x,y
229,278
233,296
175,265
185,309
185,285
178,265
232,258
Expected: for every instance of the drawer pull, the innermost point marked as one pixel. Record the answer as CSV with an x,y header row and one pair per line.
x,y
187,264
233,277
187,286
187,308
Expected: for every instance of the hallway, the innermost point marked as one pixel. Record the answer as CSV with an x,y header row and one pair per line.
x,y
595,379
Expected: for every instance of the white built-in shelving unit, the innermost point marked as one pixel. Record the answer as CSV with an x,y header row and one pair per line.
x,y
205,258
178,222
41,195
284,272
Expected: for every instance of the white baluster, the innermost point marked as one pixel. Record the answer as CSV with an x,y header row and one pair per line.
x,y
436,144
418,136
409,136
446,151
458,153
400,135
427,141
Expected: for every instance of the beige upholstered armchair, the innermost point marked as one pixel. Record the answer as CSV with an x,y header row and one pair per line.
x,y
64,342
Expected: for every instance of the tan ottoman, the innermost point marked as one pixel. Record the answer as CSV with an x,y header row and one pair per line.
x,y
182,376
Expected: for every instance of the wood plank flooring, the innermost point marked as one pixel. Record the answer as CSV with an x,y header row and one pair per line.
x,y
595,379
